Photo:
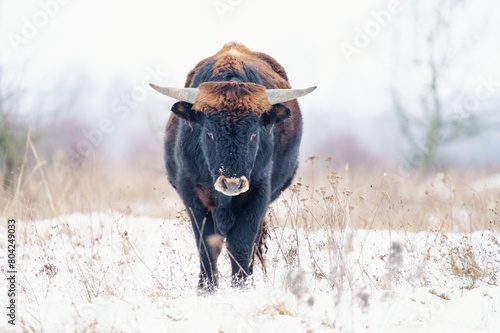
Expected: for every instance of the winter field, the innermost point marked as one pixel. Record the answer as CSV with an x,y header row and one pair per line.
x,y
346,254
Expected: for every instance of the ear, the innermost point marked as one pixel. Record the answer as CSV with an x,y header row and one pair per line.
x,y
276,115
185,111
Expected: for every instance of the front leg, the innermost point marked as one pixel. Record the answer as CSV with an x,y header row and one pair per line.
x,y
208,242
249,209
209,245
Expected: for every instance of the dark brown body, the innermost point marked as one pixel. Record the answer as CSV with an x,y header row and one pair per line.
x,y
232,98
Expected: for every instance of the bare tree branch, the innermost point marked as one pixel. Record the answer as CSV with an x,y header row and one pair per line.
x,y
431,127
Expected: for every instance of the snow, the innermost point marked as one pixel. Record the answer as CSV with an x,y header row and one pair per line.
x,y
105,272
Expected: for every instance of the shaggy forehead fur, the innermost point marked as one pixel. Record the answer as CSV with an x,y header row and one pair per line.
x,y
232,96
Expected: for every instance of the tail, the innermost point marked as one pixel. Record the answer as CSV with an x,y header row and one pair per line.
x,y
260,246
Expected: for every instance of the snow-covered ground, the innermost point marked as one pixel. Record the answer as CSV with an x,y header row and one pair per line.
x,y
105,272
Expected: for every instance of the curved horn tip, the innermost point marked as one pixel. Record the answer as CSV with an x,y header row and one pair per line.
x,y
275,96
155,87
188,95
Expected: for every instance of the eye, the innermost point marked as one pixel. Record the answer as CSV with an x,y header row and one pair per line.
x,y
210,135
253,136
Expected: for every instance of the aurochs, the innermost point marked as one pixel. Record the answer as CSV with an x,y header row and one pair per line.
x,y
231,148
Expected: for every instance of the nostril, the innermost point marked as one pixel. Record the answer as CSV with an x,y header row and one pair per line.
x,y
231,186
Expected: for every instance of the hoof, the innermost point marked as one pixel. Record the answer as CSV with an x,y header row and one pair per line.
x,y
206,286
242,282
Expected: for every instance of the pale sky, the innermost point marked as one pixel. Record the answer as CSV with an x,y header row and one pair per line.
x,y
105,38
108,37
45,44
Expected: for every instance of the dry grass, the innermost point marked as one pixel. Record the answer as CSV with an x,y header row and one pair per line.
x,y
323,197
339,201
45,189
105,258
320,197
89,189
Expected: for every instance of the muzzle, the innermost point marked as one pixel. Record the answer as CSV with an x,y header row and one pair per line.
x,y
232,186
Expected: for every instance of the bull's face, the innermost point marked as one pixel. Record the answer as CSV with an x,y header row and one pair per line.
x,y
230,142
230,149
230,138
234,119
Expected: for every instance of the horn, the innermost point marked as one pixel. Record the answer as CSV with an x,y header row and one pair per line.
x,y
275,96
182,94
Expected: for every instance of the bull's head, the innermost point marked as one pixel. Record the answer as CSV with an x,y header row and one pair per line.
x,y
232,117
